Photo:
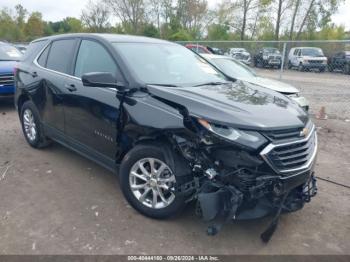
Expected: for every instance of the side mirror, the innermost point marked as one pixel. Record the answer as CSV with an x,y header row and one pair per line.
x,y
101,79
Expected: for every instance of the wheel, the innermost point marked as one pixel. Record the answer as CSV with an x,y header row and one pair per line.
x,y
148,181
301,67
346,69
322,70
289,65
330,68
31,126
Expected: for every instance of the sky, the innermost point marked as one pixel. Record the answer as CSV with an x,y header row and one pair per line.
x,y
59,9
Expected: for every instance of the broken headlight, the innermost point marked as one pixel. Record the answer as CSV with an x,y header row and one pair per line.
x,y
248,139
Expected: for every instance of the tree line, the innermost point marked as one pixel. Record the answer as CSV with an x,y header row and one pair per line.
x,y
185,20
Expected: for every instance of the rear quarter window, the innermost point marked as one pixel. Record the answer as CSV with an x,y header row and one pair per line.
x,y
33,49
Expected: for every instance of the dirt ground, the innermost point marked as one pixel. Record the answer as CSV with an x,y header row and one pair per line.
x,y
54,201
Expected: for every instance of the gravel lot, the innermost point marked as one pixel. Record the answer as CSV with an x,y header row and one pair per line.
x,y
55,202
331,90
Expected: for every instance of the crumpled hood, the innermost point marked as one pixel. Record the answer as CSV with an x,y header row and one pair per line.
x,y
271,84
239,104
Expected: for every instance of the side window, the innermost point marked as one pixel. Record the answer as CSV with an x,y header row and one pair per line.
x,y
60,54
93,57
43,57
296,52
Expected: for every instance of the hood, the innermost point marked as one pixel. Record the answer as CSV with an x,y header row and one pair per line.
x,y
271,84
7,66
239,104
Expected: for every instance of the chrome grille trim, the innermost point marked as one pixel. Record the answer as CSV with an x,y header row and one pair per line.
x,y
6,79
303,167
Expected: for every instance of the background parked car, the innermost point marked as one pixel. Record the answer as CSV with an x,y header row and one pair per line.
x,y
306,58
240,54
200,49
235,69
9,56
215,50
22,48
341,61
268,57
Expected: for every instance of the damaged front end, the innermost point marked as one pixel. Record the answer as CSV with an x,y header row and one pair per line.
x,y
234,181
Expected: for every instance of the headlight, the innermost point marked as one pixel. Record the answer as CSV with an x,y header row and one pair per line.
x,y
265,57
248,139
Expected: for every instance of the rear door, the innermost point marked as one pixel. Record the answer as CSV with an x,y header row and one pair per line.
x,y
90,112
53,66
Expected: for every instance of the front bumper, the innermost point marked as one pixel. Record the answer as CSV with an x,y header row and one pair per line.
x,y
300,188
315,66
246,62
7,90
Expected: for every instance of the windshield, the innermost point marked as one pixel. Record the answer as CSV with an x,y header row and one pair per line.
x,y
233,68
271,50
312,52
167,64
9,53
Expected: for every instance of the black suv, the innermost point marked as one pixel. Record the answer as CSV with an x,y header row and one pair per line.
x,y
171,125
340,61
268,57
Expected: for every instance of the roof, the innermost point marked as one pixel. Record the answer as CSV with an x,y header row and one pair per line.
x,y
109,38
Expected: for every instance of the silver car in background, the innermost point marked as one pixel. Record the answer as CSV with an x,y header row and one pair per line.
x,y
240,54
235,69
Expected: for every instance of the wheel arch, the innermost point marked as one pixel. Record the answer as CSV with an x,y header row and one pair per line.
x,y
21,100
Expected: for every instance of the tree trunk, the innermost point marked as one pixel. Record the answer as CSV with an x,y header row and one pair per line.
x,y
278,20
304,19
297,4
244,22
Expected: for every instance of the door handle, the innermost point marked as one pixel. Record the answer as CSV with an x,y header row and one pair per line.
x,y
34,74
70,87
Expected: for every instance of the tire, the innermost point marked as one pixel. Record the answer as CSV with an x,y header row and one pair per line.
x,y
322,70
346,69
289,65
141,198
301,68
31,126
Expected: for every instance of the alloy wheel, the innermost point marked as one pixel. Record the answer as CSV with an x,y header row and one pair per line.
x,y
29,125
152,181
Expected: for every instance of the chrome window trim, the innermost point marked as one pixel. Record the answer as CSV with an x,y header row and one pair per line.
x,y
304,167
35,62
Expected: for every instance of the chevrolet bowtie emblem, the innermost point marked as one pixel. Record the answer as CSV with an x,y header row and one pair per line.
x,y
304,132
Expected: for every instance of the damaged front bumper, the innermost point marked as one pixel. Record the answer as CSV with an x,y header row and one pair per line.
x,y
243,186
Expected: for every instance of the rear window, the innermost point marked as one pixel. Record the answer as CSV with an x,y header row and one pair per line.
x,y
60,55
9,53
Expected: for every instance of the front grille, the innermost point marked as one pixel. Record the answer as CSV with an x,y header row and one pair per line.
x,y
274,57
6,79
315,61
286,134
291,156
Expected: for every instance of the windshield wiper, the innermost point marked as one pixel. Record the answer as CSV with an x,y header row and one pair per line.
x,y
213,83
167,85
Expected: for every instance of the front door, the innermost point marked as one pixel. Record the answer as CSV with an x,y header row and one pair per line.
x,y
91,112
